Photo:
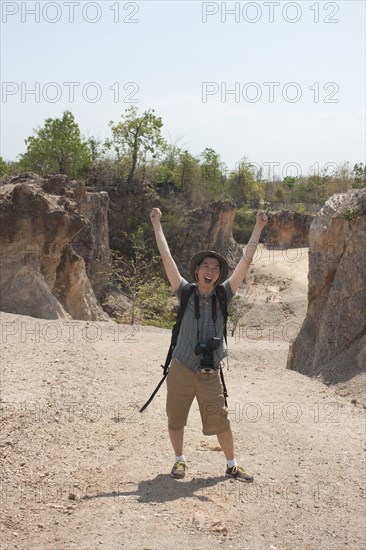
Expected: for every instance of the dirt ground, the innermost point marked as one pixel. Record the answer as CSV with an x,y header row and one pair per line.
x,y
82,469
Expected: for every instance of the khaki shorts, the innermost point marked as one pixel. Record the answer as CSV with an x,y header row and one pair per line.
x,y
183,385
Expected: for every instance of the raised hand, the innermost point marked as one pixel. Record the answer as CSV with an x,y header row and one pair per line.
x,y
155,216
261,219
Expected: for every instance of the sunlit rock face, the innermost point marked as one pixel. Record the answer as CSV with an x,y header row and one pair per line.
x,y
41,274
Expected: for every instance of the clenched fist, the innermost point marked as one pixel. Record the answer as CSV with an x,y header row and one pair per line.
x,y
261,219
155,216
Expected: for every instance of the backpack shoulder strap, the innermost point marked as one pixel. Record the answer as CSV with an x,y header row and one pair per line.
x,y
222,298
187,290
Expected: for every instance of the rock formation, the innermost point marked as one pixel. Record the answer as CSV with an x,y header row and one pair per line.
x,y
207,228
40,273
287,229
129,208
332,340
92,243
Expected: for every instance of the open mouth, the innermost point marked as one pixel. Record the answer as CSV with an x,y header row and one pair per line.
x,y
208,280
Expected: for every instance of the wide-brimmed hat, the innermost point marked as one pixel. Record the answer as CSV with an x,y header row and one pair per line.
x,y
200,256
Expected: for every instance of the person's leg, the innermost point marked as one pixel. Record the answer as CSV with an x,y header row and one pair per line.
x,y
226,442
180,394
215,421
176,438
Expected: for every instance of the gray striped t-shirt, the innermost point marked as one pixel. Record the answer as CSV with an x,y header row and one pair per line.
x,y
193,331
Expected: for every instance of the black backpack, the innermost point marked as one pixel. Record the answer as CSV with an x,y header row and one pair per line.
x,y
187,291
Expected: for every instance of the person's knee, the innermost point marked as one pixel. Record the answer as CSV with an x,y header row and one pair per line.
x,y
176,428
225,432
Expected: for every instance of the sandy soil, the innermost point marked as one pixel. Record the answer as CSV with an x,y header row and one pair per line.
x,y
82,468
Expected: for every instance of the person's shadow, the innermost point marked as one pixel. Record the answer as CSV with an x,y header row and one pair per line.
x,y
163,488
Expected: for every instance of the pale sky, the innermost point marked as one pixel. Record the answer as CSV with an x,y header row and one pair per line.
x,y
295,70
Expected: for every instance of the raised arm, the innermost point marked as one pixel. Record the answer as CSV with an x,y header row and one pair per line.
x,y
240,272
169,264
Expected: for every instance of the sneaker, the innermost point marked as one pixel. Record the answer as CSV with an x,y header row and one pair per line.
x,y
237,472
179,470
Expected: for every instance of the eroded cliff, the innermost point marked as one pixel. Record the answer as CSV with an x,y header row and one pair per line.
x,y
41,274
332,340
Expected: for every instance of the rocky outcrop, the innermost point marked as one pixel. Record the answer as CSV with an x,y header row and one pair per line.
x,y
288,229
332,340
40,274
92,242
206,228
129,208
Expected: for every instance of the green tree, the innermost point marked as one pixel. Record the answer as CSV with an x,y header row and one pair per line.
x,y
96,148
242,184
57,148
188,170
180,168
243,224
166,171
156,303
359,175
3,167
289,184
130,273
211,173
136,275
136,137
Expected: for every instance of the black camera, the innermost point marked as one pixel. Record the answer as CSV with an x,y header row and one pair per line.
x,y
206,350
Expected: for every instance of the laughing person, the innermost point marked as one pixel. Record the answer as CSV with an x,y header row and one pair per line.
x,y
187,379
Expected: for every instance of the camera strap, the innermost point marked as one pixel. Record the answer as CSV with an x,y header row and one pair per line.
x,y
197,313
214,319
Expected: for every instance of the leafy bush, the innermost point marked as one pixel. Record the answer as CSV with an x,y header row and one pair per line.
x,y
300,208
350,214
155,302
243,225
3,167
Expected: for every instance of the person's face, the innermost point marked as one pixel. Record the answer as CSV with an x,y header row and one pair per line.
x,y
208,273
